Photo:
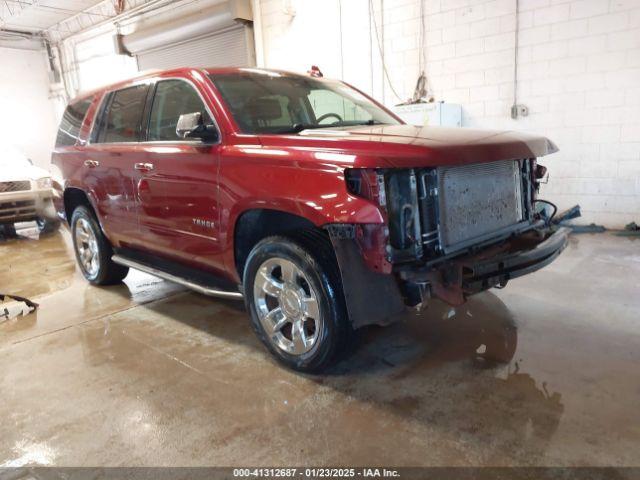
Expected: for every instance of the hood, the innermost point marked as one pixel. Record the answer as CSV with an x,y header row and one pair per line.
x,y
410,146
21,172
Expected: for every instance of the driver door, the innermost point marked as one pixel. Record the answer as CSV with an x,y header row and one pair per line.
x,y
184,173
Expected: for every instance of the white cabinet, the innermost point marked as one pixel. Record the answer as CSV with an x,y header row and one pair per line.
x,y
435,113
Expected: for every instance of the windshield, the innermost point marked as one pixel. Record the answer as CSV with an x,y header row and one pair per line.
x,y
269,102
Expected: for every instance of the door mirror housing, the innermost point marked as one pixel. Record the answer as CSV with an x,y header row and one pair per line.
x,y
191,125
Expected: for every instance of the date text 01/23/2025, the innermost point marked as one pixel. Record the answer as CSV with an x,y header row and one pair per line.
x,y
315,472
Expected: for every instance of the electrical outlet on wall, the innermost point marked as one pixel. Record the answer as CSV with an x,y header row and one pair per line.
x,y
519,110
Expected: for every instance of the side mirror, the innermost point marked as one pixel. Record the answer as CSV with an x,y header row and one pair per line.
x,y
191,125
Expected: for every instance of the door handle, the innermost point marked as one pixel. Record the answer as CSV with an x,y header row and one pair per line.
x,y
91,163
143,166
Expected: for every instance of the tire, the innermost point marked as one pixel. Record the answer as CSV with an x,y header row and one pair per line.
x,y
47,226
327,331
96,266
8,230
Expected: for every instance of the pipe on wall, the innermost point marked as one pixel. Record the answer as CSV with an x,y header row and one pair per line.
x,y
20,40
258,37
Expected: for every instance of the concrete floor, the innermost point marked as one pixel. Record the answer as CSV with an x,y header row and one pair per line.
x,y
544,372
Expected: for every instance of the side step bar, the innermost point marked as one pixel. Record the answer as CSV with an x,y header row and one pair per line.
x,y
205,290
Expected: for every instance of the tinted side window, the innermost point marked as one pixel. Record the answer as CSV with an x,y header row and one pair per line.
x,y
172,99
71,123
121,122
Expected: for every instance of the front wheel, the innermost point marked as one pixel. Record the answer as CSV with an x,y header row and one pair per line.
x,y
93,250
294,296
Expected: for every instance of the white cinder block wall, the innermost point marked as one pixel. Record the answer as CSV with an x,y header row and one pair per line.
x,y
578,72
27,119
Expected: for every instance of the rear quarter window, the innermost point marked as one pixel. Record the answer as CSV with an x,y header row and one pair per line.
x,y
72,122
121,120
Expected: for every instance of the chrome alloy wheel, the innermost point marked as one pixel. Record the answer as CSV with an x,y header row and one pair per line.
x,y
87,247
287,306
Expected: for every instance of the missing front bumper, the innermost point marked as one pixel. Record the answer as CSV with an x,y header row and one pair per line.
x,y
376,298
454,280
485,274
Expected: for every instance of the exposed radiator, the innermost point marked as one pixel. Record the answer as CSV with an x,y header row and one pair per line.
x,y
478,200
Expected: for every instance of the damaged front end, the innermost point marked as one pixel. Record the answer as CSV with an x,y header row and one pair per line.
x,y
449,232
454,280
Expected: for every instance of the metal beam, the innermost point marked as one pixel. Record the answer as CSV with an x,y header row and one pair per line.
x,y
87,18
10,38
24,5
16,8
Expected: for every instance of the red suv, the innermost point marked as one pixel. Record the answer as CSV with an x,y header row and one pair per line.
x,y
315,203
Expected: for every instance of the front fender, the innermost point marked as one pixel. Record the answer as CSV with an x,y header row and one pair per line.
x,y
317,193
322,213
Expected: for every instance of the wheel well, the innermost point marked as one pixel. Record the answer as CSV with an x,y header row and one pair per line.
x,y
74,197
254,225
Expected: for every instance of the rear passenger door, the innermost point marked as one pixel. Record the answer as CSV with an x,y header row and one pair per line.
x,y
112,153
185,170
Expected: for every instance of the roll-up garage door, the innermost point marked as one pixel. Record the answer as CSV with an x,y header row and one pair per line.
x,y
208,33
229,47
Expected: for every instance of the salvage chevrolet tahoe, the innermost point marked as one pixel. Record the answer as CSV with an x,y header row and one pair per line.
x,y
302,195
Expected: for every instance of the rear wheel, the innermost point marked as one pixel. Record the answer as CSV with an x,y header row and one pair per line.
x,y
294,295
93,250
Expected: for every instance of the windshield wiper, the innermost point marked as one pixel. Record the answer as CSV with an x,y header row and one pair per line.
x,y
368,122
298,127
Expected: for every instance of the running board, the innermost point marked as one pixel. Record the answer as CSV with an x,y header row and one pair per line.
x,y
205,290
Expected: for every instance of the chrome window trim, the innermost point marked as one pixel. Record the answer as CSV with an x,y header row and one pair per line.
x,y
195,143
153,83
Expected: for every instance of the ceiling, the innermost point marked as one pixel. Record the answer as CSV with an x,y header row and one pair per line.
x,y
38,15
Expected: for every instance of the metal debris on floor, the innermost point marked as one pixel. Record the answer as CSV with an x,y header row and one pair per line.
x,y
630,230
12,306
591,228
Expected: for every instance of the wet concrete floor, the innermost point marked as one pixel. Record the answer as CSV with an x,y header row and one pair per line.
x,y
544,372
